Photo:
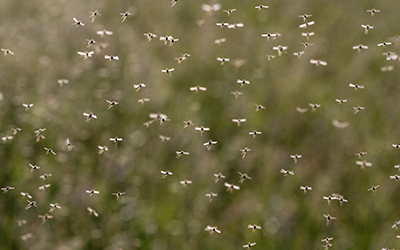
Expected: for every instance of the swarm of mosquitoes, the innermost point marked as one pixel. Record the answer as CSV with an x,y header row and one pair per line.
x,y
162,119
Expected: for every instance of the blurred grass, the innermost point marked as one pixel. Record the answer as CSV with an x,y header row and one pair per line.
x,y
161,214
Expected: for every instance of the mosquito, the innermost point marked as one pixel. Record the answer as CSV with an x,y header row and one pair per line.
x,y
167,71
150,36
218,176
86,54
254,133
209,144
93,15
165,174
89,116
49,150
125,15
111,58
111,103
254,227
239,121
78,22
118,195
231,187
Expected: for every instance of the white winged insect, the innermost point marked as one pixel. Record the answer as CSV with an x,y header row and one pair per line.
x,y
244,151
139,86
301,110
286,172
249,245
102,149
221,25
209,144
318,62
270,35
92,192
360,47
150,36
314,106
168,71
298,54
223,60
364,164
218,176
92,212
165,174
295,157
254,227
89,116
33,167
211,195
104,33
261,7
179,154
220,41
239,121
78,22
305,188
7,52
306,24
6,189
243,82
45,217
280,49
236,93
202,129
358,109
115,140
111,103
125,15
164,138
373,11
384,44
187,123
198,88
61,82
49,150
26,195
329,218
54,207
30,204
185,182
86,54
254,133
118,195
305,16
212,230
90,42
111,57
340,125
307,34
69,144
231,187
44,187
243,177
93,15
366,28
341,101
143,100
27,106
229,12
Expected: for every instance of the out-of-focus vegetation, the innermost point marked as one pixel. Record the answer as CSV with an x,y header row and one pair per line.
x,y
160,213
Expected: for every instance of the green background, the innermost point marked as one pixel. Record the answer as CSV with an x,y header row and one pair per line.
x,y
159,213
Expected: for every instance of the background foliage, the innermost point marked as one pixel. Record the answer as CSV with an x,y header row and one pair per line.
x,y
162,214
